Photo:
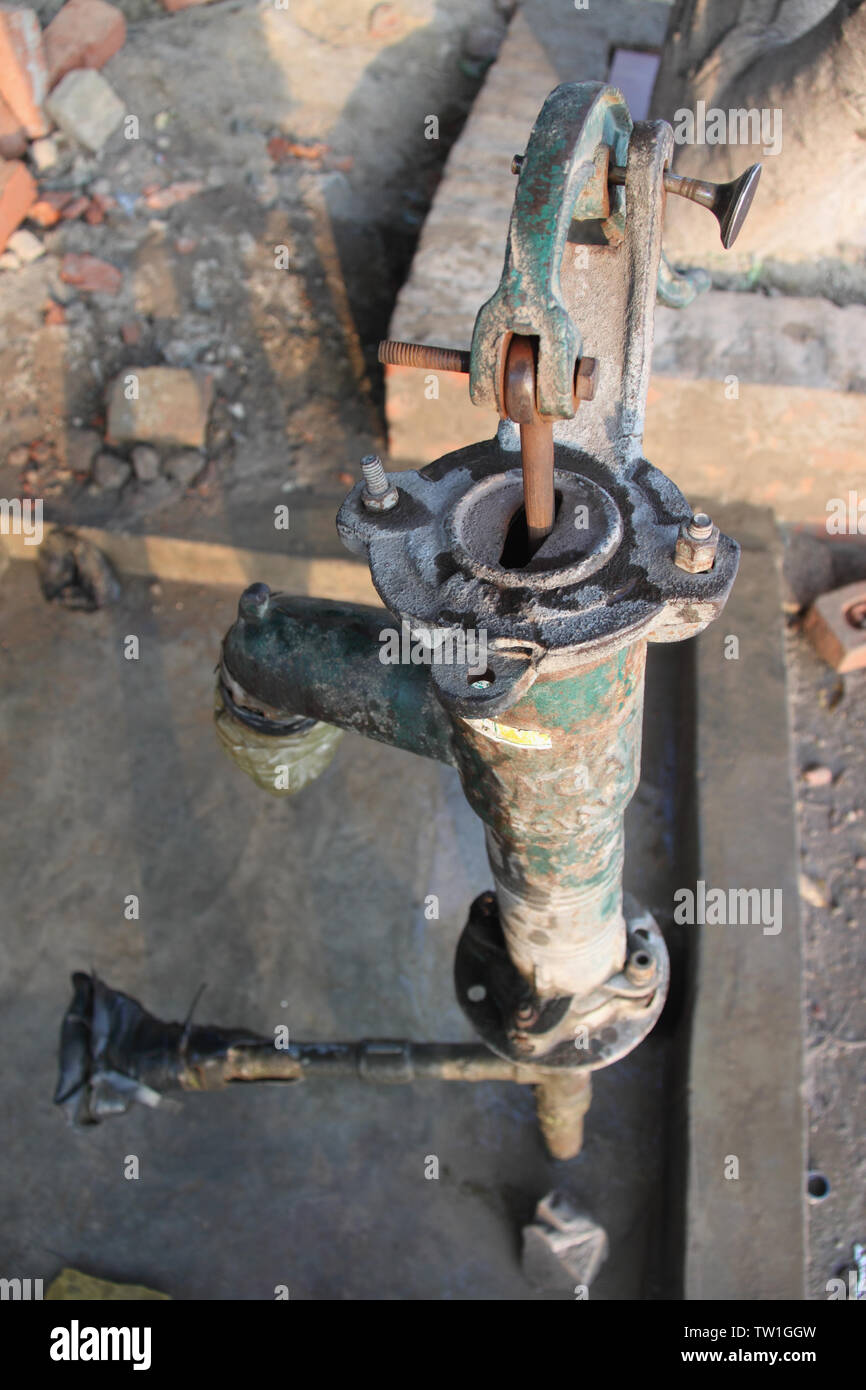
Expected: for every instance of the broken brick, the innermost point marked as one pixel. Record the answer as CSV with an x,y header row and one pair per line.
x,y
75,208
130,332
86,108
17,196
56,198
836,627
44,214
161,198
23,76
280,149
84,34
174,5
87,272
159,405
13,136
54,313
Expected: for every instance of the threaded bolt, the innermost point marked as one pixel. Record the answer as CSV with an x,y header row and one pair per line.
x,y
696,544
700,527
393,353
378,495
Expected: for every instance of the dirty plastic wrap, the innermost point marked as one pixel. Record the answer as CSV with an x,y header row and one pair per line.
x,y
281,764
113,1053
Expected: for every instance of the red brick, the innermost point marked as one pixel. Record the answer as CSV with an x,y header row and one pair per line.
x,y
13,136
75,208
17,196
172,5
84,34
89,273
43,213
23,76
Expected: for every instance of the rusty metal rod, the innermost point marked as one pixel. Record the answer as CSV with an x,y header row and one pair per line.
x,y
536,441
397,1061
393,353
536,455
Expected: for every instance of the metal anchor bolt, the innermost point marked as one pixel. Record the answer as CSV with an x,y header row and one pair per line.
x,y
697,544
378,495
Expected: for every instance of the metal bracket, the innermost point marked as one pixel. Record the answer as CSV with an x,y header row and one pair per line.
x,y
562,177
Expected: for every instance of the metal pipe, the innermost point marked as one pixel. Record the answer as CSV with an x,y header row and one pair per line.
x,y
552,789
289,655
394,1061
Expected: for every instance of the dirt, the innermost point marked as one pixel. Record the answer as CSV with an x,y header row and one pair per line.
x,y
277,276
829,724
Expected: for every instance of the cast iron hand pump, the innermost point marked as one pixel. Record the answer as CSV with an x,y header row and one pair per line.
x,y
569,552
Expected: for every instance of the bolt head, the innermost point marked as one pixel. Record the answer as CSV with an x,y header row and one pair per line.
x,y
254,603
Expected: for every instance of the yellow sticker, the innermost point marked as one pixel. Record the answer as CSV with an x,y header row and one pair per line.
x,y
502,733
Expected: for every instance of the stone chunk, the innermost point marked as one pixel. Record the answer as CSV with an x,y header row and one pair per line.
x,y
183,467
82,446
145,463
159,405
86,108
25,246
562,1249
110,472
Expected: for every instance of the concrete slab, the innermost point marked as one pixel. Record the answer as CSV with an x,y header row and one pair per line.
x,y
306,912
746,1126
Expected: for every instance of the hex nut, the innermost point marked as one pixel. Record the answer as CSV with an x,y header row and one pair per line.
x,y
696,553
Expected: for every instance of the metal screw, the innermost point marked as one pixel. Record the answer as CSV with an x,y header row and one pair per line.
x,y
378,495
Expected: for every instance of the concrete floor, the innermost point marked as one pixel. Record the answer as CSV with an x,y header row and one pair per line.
x,y
306,912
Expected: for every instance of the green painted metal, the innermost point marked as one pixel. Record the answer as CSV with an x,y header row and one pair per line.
x,y
321,658
558,178
676,289
551,780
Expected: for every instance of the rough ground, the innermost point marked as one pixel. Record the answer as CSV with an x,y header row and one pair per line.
x,y
829,723
288,347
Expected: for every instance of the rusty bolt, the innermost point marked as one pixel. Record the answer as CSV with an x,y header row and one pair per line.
x,y
640,967
517,163
393,353
379,495
697,544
